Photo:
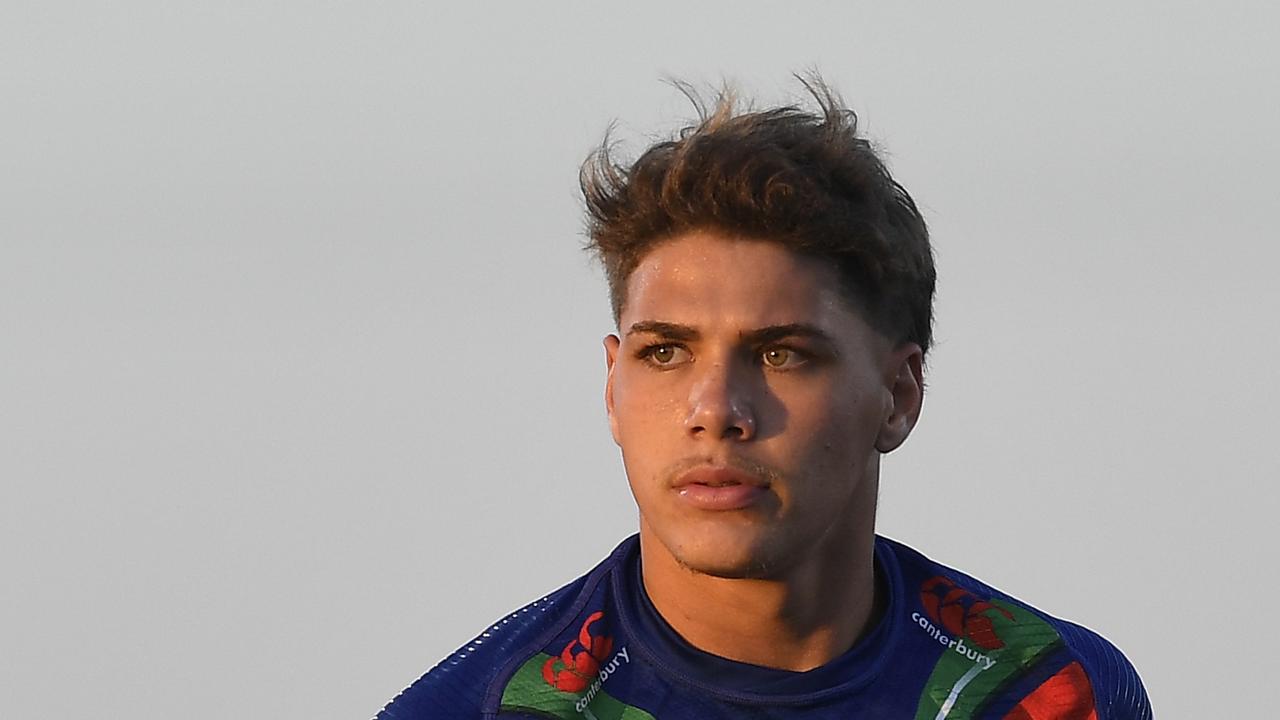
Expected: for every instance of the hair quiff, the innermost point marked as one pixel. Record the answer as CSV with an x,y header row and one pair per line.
x,y
804,179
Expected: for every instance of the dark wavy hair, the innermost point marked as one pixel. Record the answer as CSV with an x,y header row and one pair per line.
x,y
804,179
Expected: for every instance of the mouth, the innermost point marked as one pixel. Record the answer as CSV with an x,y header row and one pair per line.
x,y
719,488
718,476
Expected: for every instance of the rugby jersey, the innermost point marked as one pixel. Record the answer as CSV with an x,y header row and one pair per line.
x,y
947,646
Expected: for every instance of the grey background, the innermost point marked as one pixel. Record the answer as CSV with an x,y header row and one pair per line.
x,y
300,374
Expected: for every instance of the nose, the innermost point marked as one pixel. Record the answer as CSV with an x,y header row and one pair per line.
x,y
720,405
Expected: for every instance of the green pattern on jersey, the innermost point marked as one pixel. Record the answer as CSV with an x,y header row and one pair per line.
x,y
529,692
959,686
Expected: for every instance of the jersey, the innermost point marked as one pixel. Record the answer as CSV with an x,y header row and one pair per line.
x,y
946,646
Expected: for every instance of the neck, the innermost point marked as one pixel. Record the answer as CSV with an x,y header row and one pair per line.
x,y
798,621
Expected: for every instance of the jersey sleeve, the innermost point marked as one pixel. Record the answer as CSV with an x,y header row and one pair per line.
x,y
454,688
1117,689
457,687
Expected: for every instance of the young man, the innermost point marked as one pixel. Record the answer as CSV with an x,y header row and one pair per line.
x,y
773,291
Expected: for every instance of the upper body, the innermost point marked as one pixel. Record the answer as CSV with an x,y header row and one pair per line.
x,y
947,646
772,287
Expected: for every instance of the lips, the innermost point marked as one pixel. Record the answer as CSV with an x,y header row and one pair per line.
x,y
719,488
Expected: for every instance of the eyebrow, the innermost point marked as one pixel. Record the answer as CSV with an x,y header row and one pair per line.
x,y
758,336
664,329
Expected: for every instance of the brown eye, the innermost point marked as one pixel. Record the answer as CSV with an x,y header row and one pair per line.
x,y
665,356
777,357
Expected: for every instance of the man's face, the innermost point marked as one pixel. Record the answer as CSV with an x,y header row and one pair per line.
x,y
751,403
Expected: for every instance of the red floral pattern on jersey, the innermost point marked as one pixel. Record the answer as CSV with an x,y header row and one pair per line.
x,y
575,666
961,612
1065,696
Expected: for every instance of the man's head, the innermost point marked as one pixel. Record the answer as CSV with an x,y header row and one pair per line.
x,y
772,286
804,180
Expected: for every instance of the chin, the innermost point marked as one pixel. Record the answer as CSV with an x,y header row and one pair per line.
x,y
726,551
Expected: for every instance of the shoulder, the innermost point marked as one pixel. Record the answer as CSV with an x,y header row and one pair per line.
x,y
468,683
1048,667
1115,682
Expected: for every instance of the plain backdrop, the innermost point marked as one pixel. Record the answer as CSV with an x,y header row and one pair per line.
x,y
300,363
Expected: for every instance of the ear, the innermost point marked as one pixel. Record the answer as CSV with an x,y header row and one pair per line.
x,y
611,344
904,379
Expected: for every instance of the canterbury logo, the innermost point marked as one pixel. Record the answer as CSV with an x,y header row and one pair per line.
x,y
579,663
961,612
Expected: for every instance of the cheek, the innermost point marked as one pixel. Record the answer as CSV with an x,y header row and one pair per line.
x,y
818,405
840,421
643,407
644,428
628,411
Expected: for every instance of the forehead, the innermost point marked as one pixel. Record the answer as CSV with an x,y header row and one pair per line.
x,y
717,279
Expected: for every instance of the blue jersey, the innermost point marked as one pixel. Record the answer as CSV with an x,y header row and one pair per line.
x,y
947,646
